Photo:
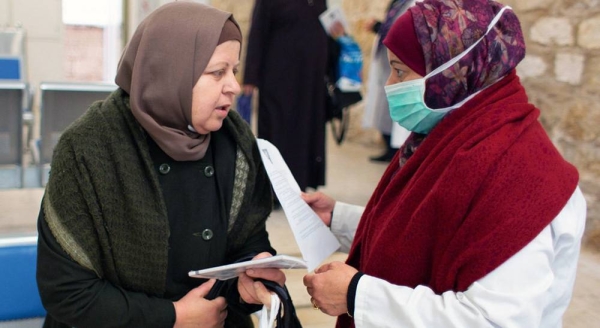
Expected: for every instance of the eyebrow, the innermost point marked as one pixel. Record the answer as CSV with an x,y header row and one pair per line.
x,y
221,63
393,61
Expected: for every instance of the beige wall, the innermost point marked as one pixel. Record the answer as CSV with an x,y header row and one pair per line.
x,y
561,73
42,21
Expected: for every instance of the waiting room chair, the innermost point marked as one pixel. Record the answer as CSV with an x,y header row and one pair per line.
x,y
20,304
11,133
61,103
13,70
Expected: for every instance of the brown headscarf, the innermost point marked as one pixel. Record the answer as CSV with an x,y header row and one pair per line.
x,y
160,66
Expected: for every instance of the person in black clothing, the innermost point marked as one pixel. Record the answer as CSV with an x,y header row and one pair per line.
x,y
286,60
159,179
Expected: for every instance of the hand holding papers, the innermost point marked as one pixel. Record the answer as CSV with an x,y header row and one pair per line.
x,y
229,271
315,240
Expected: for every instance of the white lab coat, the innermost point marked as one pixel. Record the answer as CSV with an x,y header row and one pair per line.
x,y
531,289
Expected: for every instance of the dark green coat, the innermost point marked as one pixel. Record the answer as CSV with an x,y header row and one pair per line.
x,y
105,208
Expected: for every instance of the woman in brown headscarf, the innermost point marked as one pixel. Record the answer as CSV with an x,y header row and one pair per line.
x,y
158,179
478,219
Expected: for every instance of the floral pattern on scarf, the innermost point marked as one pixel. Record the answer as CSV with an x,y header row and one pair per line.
x,y
445,28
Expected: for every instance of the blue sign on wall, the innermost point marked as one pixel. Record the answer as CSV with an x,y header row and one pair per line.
x,y
10,69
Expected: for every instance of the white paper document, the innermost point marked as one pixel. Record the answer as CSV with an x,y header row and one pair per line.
x,y
332,16
229,271
315,240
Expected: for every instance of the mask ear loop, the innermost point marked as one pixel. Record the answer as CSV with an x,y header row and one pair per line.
x,y
456,58
462,54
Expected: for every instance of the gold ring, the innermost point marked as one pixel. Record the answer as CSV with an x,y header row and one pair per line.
x,y
312,300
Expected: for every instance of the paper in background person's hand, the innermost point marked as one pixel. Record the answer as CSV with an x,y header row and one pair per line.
x,y
332,17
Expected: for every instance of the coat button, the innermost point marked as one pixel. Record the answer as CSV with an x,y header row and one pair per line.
x,y
164,168
209,171
207,234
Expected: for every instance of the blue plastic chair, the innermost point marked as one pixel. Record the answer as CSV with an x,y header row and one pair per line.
x,y
20,304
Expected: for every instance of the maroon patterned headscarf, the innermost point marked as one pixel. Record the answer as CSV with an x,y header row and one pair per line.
x,y
396,8
444,29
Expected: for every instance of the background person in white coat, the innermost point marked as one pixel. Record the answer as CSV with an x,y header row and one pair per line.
x,y
376,113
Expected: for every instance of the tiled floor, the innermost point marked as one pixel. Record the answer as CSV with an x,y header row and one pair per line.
x,y
351,178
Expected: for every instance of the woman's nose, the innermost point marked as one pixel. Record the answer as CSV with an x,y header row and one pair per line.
x,y
232,85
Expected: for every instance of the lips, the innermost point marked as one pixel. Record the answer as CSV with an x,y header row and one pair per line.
x,y
223,111
224,107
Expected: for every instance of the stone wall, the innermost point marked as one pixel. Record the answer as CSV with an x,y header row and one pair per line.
x,y
561,73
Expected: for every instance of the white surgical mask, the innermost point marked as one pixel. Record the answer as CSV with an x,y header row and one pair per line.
x,y
407,99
